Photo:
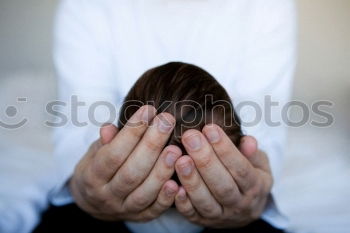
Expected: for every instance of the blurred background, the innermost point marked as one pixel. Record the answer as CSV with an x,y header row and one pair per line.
x,y
315,189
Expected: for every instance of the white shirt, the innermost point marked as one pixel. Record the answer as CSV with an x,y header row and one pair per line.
x,y
103,46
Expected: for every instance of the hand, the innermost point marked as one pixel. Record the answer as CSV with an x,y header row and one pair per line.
x,y
221,187
126,175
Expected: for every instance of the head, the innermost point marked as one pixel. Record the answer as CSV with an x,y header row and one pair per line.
x,y
187,92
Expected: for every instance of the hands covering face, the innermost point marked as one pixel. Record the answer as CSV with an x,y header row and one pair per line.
x,y
126,175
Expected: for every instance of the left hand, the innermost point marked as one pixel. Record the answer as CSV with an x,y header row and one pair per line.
x,y
222,186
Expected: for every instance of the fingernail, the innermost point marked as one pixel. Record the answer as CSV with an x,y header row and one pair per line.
x,y
186,169
213,135
164,125
169,192
170,159
194,142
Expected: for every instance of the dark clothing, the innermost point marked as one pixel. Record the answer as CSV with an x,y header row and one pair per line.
x,y
71,219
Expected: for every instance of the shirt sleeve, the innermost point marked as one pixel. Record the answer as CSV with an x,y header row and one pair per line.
x,y
84,71
265,76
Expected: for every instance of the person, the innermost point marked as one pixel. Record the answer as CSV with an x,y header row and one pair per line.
x,y
192,108
169,88
102,46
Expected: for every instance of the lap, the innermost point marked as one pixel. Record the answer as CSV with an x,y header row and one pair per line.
x,y
70,219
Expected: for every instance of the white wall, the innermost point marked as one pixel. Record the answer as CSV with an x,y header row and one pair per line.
x,y
25,34
315,187
324,52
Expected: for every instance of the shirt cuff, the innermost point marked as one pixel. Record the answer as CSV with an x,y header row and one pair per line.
x,y
273,215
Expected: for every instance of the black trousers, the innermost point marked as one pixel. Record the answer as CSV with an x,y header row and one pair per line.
x,y
70,219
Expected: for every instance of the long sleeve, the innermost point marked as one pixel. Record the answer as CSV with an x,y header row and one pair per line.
x,y
84,71
266,73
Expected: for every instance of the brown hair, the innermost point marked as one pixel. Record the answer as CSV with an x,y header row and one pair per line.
x,y
187,92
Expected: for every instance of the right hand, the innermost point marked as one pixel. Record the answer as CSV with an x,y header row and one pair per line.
x,y
125,175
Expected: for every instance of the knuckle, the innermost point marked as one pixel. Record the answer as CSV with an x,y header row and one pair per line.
x,y
115,190
238,212
255,192
161,177
87,180
112,163
114,156
226,195
185,209
94,195
225,192
153,145
242,209
163,205
225,152
111,206
244,206
139,201
209,211
242,171
188,211
88,184
135,130
192,186
129,178
154,213
204,161
106,159
90,193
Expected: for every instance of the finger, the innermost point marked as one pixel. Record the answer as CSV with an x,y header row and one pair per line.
x,y
200,196
184,206
139,164
249,148
164,200
210,168
107,133
89,155
94,147
111,156
147,192
240,168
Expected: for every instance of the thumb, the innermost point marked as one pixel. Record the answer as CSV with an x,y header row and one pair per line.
x,y
249,148
107,133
